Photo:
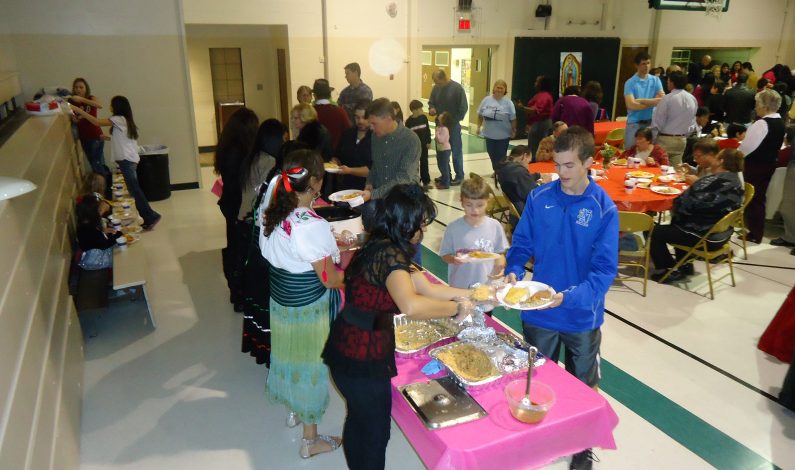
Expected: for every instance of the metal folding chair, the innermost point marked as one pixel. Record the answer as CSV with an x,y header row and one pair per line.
x,y
635,223
701,250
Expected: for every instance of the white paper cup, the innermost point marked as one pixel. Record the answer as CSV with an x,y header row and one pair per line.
x,y
664,168
629,185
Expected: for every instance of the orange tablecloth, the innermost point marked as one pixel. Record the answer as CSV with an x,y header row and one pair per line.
x,y
601,129
640,200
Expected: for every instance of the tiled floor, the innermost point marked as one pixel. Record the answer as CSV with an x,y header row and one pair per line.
x,y
682,372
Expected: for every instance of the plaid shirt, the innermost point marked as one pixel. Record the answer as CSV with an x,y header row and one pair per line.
x,y
349,96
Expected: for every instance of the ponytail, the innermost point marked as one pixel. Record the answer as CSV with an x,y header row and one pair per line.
x,y
298,169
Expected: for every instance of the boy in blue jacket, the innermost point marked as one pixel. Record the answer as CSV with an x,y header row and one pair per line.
x,y
570,228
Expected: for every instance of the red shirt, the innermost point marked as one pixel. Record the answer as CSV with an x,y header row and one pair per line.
x,y
85,129
334,119
542,102
731,143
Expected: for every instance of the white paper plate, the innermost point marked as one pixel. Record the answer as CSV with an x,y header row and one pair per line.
x,y
345,195
332,169
532,287
666,190
468,258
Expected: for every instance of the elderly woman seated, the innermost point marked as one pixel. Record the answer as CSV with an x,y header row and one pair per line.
x,y
515,179
651,154
695,212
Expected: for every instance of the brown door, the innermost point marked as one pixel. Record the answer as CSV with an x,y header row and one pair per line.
x,y
439,59
480,79
626,70
281,57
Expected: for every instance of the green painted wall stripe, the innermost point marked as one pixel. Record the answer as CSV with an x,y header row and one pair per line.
x,y
709,443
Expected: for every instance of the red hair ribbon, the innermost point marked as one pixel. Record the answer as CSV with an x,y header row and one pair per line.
x,y
286,178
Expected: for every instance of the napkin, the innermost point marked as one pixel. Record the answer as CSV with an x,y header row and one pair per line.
x,y
432,368
357,201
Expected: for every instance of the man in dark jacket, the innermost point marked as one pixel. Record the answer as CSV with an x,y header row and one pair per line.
x,y
739,102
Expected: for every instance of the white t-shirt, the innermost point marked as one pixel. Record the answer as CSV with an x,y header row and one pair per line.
x,y
302,238
124,148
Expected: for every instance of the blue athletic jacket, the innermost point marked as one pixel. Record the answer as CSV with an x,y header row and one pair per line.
x,y
574,240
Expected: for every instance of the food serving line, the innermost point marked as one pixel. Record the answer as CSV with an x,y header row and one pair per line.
x,y
580,418
455,417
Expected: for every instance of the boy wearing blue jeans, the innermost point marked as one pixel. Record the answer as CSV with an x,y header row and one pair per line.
x,y
570,228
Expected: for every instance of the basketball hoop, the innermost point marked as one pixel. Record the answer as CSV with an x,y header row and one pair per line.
x,y
713,7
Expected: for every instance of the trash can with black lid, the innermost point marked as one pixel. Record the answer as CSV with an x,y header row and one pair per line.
x,y
153,173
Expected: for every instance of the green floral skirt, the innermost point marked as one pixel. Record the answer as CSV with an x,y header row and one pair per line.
x,y
298,378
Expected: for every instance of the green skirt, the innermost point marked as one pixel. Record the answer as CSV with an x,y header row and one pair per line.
x,y
298,378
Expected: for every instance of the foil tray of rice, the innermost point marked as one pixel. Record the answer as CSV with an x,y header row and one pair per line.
x,y
412,337
476,364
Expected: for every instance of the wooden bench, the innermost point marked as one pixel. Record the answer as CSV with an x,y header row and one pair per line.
x,y
130,269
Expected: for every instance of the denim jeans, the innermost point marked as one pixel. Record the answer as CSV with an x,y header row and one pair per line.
x,y
632,128
128,170
458,151
95,154
365,433
497,149
443,160
582,350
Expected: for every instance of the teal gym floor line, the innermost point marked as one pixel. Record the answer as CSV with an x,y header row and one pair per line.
x,y
709,443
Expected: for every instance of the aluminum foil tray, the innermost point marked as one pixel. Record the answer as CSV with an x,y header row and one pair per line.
x,y
449,330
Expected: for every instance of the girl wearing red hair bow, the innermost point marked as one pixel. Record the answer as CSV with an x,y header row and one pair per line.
x,y
303,280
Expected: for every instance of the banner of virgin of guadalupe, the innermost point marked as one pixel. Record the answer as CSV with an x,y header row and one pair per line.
x,y
570,68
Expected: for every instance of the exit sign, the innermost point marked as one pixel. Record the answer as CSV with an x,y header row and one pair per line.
x,y
464,25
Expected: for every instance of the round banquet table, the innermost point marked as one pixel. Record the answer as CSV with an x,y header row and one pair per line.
x,y
639,200
601,129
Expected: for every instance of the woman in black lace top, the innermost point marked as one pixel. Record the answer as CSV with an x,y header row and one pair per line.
x,y
381,282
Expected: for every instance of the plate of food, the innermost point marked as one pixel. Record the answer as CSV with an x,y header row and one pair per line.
x,y
131,229
345,195
620,162
526,295
476,256
131,238
671,178
640,174
331,167
666,190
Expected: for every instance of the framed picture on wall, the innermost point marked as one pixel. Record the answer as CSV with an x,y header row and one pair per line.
x,y
442,58
570,70
426,58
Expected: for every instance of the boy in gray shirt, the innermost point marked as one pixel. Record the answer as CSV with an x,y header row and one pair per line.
x,y
478,239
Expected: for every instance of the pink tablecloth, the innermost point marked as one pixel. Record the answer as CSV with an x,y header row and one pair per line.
x,y
580,419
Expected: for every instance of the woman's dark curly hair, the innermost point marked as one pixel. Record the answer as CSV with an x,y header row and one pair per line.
x,y
400,214
283,201
87,211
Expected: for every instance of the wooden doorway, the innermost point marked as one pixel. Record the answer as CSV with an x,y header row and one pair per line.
x,y
480,80
626,70
281,58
